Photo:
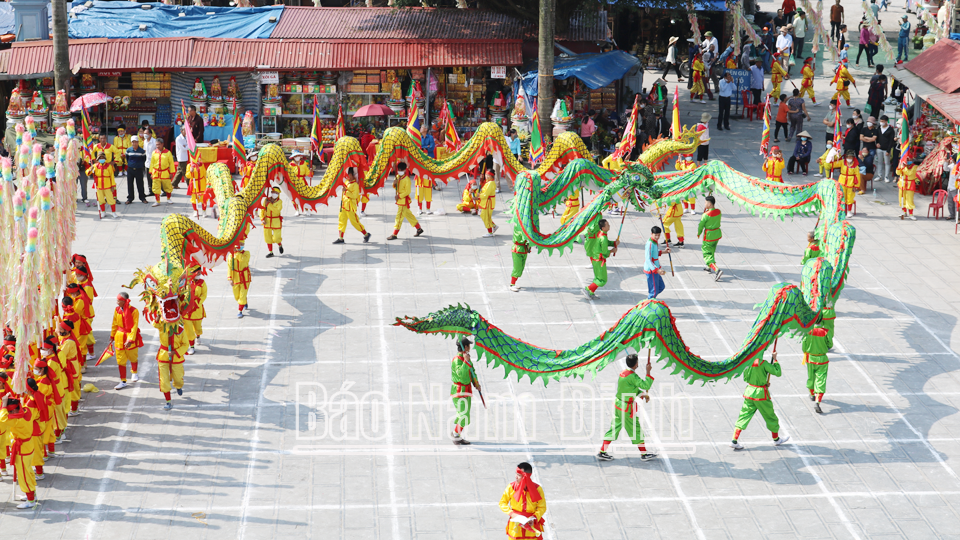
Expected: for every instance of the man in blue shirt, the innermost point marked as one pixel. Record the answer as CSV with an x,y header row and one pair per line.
x,y
756,82
136,162
727,88
651,263
903,39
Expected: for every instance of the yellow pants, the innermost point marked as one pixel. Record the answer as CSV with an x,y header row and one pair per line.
x,y
23,465
60,414
906,200
240,293
676,223
403,212
272,236
849,194
37,458
4,442
346,216
425,195
164,183
845,94
808,90
196,194
193,329
105,195
568,214
168,371
127,355
486,215
775,92
49,426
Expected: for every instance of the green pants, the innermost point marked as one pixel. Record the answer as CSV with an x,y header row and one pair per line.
x,y
519,261
462,404
600,273
828,324
766,411
817,377
709,249
622,420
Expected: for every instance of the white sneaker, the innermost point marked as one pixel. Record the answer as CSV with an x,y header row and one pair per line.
x,y
815,104
736,445
89,357
693,212
514,288
430,212
818,175
135,378
120,386
913,217
363,214
781,440
156,204
495,228
702,101
191,350
26,505
115,215
41,476
169,201
887,180
73,413
487,235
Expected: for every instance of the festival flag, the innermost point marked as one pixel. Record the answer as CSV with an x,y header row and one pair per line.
x,y
315,137
236,137
675,127
904,132
765,137
414,122
341,131
629,139
536,137
450,136
86,134
188,133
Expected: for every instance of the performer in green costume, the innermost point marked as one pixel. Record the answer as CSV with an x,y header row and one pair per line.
x,y
813,249
756,397
710,229
829,318
463,377
815,346
630,386
598,249
521,248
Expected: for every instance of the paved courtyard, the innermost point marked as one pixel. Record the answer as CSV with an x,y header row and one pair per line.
x,y
314,417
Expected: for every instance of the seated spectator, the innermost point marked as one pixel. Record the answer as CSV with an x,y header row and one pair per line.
x,y
801,154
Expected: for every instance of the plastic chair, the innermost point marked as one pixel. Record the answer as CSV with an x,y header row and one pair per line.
x,y
939,197
749,108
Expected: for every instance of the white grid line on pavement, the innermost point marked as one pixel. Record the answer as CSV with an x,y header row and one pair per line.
x,y
385,374
255,438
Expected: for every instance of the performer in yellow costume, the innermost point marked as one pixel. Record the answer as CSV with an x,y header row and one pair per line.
x,y
84,309
773,165
777,75
907,186
488,201
843,80
672,217
849,179
19,421
193,319
162,169
121,142
170,363
523,501
468,202
103,180
424,193
197,185
806,85
698,87
348,207
239,277
401,184
686,163
246,170
125,335
272,221
70,356
572,208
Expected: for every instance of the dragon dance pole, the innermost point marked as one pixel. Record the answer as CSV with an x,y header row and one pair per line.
x,y
664,229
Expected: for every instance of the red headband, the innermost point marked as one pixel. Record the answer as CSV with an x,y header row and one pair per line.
x,y
62,326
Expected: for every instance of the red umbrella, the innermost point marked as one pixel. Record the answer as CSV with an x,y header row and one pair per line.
x,y
89,100
374,109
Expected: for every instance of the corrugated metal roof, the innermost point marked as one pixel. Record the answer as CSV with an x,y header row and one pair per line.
x,y
939,65
393,23
225,54
28,57
4,60
948,104
132,54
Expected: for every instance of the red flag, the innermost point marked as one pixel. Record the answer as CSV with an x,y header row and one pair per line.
x,y
629,139
341,131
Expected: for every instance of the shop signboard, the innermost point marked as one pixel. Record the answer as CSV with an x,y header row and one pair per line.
x,y
498,72
269,77
741,78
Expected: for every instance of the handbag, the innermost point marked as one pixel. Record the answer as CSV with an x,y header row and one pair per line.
x,y
790,61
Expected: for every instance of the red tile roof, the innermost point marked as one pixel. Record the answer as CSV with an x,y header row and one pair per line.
x,y
395,23
939,65
948,104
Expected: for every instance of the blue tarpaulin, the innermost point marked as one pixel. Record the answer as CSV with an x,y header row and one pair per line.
x,y
123,19
595,70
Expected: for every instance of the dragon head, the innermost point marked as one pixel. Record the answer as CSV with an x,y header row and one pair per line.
x,y
450,321
167,293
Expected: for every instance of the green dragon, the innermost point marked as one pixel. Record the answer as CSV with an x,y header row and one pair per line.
x,y
788,309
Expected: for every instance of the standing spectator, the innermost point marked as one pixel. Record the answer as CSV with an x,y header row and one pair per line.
x,y
196,124
801,154
877,91
831,122
865,39
768,40
515,144
836,19
875,9
672,59
903,40
183,156
789,8
797,111
588,128
851,139
756,81
785,47
711,46
800,33
886,136
703,128
136,162
149,146
782,118
727,88
842,42
779,21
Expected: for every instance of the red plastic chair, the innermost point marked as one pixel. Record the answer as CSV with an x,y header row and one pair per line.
x,y
939,197
749,108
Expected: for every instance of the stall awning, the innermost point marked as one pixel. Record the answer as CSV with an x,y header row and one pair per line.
x,y
939,65
947,104
123,20
595,70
